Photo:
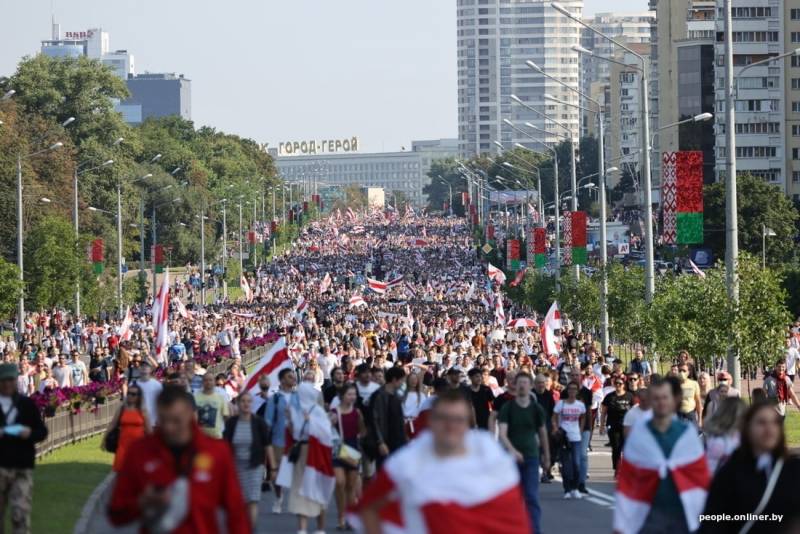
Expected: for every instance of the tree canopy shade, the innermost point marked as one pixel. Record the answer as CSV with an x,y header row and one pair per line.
x,y
760,204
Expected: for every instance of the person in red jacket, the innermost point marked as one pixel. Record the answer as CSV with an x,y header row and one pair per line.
x,y
176,479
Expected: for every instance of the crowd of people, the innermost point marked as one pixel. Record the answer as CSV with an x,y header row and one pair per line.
x,y
397,389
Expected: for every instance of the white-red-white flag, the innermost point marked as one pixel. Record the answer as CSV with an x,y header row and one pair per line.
x,y
125,331
551,323
357,300
325,285
182,311
161,316
474,493
351,215
496,274
377,286
275,359
246,289
394,282
301,307
643,464
499,312
697,270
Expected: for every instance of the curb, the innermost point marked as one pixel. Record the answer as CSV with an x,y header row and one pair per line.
x,y
92,504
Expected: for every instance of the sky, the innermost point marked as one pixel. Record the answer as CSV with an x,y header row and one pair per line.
x,y
283,70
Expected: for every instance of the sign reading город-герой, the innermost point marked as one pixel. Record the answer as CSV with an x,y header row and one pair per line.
x,y
324,146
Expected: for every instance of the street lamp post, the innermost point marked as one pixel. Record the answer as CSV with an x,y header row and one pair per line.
x,y
450,187
765,233
555,194
646,172
20,237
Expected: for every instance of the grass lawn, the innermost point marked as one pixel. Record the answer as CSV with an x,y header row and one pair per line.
x,y
63,481
792,426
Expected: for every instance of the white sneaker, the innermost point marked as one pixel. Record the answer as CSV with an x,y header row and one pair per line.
x,y
567,495
276,506
576,494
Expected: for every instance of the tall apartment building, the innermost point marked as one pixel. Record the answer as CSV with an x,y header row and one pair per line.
x,y
624,112
768,97
495,39
158,95
682,80
628,28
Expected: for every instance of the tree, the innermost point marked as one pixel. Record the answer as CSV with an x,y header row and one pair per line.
x,y
627,310
760,204
580,299
442,173
52,263
10,288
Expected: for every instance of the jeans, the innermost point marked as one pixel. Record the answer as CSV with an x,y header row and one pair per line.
x,y
529,479
584,456
570,465
616,435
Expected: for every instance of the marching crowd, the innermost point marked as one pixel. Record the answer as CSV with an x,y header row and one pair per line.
x,y
399,387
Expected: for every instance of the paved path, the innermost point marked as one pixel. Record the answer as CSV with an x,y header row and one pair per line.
x,y
591,515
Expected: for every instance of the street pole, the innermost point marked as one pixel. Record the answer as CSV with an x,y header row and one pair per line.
x,y
731,208
77,237
649,267
20,266
574,182
763,246
153,259
255,243
224,251
203,256
119,250
142,275
241,260
558,223
601,167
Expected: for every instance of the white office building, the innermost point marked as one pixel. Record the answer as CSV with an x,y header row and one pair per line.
x,y
93,43
495,39
403,172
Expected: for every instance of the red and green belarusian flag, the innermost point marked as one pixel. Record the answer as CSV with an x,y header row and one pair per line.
x,y
689,192
158,258
540,247
578,227
97,256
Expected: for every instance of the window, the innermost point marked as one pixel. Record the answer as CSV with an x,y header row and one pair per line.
x,y
794,14
795,84
756,152
796,154
796,106
795,61
795,130
768,175
795,176
795,36
756,128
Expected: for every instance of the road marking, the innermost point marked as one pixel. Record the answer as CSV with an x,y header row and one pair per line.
x,y
599,502
599,453
600,495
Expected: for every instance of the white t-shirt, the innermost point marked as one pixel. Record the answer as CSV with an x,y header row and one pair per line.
x,y
365,392
569,419
792,356
150,390
636,414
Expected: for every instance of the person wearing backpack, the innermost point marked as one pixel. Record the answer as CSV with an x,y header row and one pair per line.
x,y
523,433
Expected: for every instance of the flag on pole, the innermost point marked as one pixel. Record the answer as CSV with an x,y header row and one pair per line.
x,y
496,274
499,312
248,292
409,317
125,332
325,285
301,307
161,316
395,282
377,286
519,278
350,214
551,323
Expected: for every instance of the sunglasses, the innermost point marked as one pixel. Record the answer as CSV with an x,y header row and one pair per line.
x,y
619,383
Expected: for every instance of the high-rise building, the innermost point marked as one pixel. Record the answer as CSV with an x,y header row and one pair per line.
x,y
495,39
93,43
628,28
160,95
767,105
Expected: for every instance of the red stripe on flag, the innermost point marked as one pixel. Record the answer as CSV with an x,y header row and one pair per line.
x,y
277,359
319,457
637,483
505,513
692,475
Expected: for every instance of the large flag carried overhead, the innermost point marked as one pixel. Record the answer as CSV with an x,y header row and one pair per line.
x,y
357,300
499,312
551,323
276,358
377,286
161,316
496,274
125,332
301,307
182,311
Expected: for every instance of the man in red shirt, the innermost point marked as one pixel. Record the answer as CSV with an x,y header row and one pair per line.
x,y
176,479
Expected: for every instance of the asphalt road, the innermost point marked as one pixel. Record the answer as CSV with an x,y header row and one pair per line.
x,y
591,515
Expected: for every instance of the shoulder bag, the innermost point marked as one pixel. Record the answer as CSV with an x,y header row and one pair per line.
x,y
771,483
344,452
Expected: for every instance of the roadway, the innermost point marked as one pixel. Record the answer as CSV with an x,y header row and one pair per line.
x,y
591,515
